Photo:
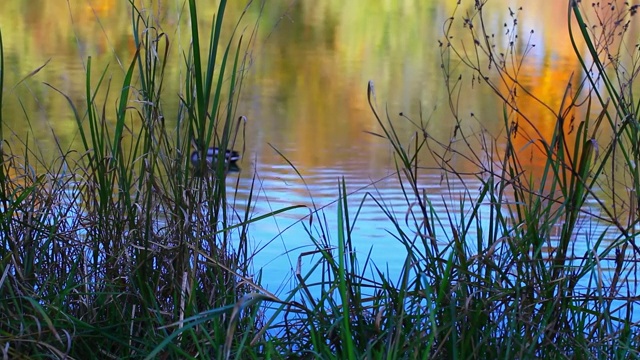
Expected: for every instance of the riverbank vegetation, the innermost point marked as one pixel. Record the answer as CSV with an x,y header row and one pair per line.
x,y
120,249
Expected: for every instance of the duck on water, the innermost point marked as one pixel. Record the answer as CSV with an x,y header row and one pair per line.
x,y
231,158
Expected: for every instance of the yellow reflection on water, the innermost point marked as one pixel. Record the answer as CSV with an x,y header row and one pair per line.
x,y
305,91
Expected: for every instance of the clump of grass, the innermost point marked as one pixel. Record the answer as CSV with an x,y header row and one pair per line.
x,y
503,278
121,251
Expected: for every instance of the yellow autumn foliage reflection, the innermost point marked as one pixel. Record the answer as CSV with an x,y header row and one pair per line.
x,y
305,91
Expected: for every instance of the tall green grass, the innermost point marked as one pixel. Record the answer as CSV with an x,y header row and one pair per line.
x,y
121,249
126,251
510,285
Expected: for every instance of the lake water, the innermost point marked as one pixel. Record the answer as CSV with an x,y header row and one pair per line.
x,y
304,94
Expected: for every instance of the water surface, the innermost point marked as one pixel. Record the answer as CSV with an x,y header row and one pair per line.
x,y
304,94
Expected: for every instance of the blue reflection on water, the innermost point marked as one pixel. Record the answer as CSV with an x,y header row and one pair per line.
x,y
280,240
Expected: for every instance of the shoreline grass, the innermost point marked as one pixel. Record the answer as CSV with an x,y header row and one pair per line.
x,y
121,252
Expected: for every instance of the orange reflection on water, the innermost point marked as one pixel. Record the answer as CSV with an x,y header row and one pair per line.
x,y
101,8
